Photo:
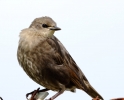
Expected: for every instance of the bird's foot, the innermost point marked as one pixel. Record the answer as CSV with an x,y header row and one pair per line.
x,y
33,93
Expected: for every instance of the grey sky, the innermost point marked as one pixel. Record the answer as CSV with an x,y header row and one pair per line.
x,y
92,31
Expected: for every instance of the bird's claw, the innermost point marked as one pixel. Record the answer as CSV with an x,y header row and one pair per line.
x,y
33,93
49,99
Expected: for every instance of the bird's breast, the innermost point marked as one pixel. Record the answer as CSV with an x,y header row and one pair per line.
x,y
34,59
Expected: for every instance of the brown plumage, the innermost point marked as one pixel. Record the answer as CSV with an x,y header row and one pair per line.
x,y
47,62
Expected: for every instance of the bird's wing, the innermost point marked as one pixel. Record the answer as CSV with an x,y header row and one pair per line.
x,y
63,57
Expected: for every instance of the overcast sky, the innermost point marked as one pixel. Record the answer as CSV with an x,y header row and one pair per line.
x,y
92,31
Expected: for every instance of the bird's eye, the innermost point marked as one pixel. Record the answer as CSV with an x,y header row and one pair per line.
x,y
44,25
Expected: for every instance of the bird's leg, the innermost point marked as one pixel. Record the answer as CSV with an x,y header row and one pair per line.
x,y
33,93
56,95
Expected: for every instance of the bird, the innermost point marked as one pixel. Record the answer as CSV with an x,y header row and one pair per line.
x,y
47,62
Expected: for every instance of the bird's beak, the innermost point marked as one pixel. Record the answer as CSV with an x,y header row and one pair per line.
x,y
55,28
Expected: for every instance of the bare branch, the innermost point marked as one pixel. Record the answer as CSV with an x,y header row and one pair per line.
x,y
1,98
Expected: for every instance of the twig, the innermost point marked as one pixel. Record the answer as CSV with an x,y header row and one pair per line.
x,y
118,99
97,98
1,98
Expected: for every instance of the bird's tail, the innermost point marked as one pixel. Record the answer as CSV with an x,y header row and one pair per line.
x,y
93,93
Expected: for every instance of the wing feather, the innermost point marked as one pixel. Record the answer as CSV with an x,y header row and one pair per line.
x,y
62,56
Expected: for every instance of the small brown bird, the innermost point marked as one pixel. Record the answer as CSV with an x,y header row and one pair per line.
x,y
47,62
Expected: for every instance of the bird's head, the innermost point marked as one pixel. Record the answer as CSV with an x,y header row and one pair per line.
x,y
45,25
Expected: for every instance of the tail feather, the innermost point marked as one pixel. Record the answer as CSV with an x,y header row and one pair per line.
x,y
93,93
